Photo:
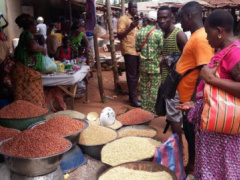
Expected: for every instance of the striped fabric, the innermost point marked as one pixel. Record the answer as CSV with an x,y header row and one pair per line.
x,y
169,47
221,112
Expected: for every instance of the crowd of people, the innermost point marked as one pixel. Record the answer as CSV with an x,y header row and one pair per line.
x,y
212,48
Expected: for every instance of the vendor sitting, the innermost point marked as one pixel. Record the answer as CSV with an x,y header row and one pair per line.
x,y
65,52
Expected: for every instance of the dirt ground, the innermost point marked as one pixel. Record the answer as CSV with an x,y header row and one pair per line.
x,y
120,104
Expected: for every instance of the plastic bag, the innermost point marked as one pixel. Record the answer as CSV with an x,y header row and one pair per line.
x,y
48,66
81,89
169,154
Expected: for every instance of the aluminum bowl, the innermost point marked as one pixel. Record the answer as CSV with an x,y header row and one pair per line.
x,y
144,166
33,166
138,127
73,138
20,124
94,151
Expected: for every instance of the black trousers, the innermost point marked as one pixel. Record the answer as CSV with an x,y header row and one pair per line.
x,y
132,64
188,129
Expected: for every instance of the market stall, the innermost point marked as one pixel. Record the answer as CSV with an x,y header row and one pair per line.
x,y
67,81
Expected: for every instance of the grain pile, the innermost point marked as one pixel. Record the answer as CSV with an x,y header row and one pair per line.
x,y
34,143
128,149
21,109
116,125
96,135
122,173
68,113
6,133
137,130
135,116
61,125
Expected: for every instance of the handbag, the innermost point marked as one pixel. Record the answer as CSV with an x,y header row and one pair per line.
x,y
221,110
171,83
160,106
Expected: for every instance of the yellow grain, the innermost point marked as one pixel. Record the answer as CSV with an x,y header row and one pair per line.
x,y
95,135
137,132
122,173
128,149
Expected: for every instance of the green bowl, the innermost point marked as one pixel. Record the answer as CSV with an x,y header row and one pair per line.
x,y
20,124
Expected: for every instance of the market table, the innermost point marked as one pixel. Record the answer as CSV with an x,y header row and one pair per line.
x,y
67,82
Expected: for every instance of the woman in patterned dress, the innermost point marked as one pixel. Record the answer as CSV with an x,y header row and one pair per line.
x,y
25,75
217,154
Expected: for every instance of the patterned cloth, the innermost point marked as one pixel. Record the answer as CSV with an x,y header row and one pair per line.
x,y
149,90
25,55
27,85
217,154
150,54
129,41
75,42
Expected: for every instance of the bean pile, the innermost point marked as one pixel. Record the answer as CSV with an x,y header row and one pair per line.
x,y
135,116
6,133
34,144
95,135
61,125
116,125
120,173
21,109
68,113
128,149
136,132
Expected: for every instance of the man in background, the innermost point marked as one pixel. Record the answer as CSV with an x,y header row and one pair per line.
x,y
41,27
128,26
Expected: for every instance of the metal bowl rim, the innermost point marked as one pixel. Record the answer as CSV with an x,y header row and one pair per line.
x,y
140,162
36,158
44,114
64,136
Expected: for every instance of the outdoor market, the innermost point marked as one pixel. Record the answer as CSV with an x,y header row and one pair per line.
x,y
119,90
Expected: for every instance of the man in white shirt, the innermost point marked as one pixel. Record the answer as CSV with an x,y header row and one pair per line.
x,y
41,27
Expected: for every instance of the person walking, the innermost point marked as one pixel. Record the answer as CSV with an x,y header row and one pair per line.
x,y
196,53
217,154
174,40
41,27
128,25
149,44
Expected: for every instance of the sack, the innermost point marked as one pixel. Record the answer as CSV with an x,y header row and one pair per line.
x,y
48,66
81,89
169,154
160,106
221,111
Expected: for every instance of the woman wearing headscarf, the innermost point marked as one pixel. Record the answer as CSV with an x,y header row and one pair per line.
x,y
217,154
26,76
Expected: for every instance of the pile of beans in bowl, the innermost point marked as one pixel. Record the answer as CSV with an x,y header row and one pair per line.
x,y
34,144
6,133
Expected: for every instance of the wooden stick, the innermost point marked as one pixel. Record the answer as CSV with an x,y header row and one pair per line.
x,y
123,6
112,45
99,72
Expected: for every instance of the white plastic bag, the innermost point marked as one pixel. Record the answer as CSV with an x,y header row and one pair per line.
x,y
48,66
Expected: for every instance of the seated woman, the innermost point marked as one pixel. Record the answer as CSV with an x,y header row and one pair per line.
x,y
25,75
65,52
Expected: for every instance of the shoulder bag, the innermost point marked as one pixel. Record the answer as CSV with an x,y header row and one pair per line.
x,y
144,42
221,110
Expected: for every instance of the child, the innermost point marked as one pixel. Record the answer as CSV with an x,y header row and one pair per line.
x,y
65,52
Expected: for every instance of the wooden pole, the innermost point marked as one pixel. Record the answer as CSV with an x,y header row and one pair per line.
x,y
112,45
70,12
123,6
99,72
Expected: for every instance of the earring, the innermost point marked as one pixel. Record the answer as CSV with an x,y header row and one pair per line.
x,y
219,36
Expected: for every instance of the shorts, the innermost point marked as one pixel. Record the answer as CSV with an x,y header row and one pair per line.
x,y
173,114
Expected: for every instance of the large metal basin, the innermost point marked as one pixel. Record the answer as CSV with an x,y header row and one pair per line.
x,y
34,166
73,138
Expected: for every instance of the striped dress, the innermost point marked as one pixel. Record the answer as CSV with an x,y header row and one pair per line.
x,y
169,47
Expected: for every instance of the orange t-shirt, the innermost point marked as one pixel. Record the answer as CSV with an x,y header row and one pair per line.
x,y
196,52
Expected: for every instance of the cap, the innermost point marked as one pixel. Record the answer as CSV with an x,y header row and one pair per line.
x,y
152,16
40,19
